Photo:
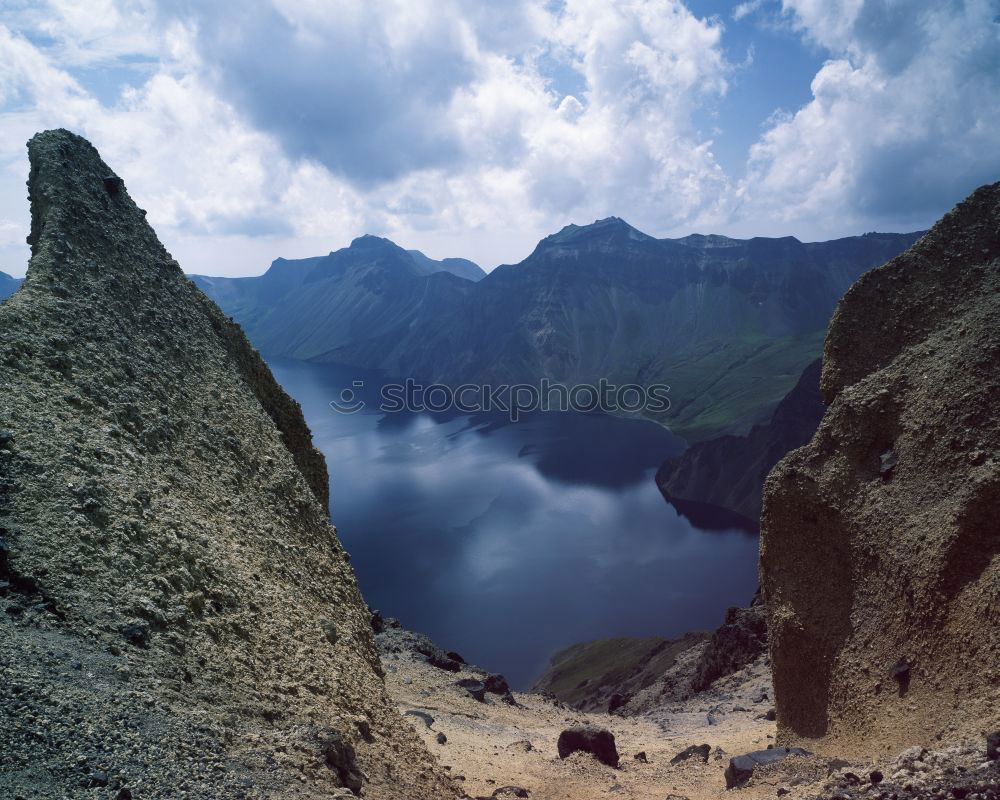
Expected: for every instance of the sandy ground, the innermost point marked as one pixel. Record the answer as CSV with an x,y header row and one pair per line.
x,y
492,745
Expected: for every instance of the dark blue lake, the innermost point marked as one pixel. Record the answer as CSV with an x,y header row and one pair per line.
x,y
507,542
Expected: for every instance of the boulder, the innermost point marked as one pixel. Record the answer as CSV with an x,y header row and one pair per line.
x,y
476,689
699,751
589,738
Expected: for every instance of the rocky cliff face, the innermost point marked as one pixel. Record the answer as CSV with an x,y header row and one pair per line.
x,y
178,616
880,546
729,472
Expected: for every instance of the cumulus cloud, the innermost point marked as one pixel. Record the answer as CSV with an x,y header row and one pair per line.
x,y
904,119
287,127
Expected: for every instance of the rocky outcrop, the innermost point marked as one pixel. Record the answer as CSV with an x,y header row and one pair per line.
x,y
880,549
178,617
729,472
734,645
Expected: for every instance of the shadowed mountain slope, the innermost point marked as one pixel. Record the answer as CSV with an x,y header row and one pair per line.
x,y
728,324
729,472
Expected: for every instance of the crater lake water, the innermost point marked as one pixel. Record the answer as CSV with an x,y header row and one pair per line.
x,y
508,542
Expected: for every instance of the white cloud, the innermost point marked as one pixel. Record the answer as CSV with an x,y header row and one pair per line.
x,y
744,10
904,120
468,128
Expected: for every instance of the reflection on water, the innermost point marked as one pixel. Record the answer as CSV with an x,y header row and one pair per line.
x,y
508,542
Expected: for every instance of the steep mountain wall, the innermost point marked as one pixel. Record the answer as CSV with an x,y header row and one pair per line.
x,y
178,617
729,472
880,545
728,324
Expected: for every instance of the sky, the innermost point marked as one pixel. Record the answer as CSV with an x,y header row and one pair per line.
x,y
253,129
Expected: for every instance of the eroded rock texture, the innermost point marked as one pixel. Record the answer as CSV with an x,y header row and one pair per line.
x,y
880,548
169,579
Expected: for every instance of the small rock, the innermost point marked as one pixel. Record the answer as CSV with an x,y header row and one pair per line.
x,y
456,657
340,757
700,751
427,718
496,684
438,658
760,696
136,634
616,701
598,741
783,791
876,777
365,729
476,689
6,438
442,739
741,768
98,779
124,794
113,184
834,764
329,630
641,757
993,746
887,463
900,673
510,791
378,624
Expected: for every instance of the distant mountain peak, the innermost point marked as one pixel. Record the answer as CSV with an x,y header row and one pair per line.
x,y
369,241
706,241
599,233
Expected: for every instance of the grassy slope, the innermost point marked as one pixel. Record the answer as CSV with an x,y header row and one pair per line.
x,y
728,387
577,673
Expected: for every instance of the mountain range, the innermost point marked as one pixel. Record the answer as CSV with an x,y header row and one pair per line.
x,y
8,285
728,324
